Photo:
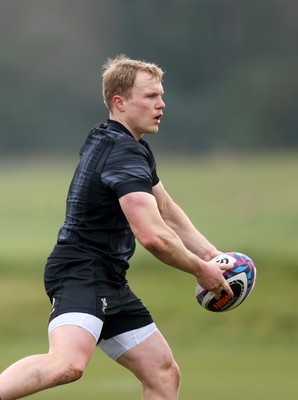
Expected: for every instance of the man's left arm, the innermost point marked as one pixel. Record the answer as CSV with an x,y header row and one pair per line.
x,y
176,218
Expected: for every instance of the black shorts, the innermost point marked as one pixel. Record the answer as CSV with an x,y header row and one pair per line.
x,y
89,286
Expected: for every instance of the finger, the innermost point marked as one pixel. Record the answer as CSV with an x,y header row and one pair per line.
x,y
223,286
224,267
217,293
227,288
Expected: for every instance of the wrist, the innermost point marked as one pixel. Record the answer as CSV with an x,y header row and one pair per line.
x,y
211,253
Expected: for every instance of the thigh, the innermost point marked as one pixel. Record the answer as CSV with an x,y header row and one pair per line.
x,y
149,358
124,312
117,345
85,321
72,345
71,287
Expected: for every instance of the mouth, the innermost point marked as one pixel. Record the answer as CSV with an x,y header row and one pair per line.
x,y
158,118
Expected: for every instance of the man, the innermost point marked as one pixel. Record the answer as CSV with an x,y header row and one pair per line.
x,y
115,196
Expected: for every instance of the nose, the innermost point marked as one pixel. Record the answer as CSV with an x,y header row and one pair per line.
x,y
160,104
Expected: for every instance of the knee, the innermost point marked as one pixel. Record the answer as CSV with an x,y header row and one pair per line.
x,y
173,375
69,372
165,381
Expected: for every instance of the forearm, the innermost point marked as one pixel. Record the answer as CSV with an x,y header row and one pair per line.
x,y
193,240
155,231
168,248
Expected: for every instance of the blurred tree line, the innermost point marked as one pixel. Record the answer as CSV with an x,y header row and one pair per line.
x,y
231,66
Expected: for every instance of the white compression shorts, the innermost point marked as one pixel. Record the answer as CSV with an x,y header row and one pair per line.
x,y
113,347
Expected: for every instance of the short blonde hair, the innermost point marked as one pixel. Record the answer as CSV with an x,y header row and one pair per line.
x,y
119,76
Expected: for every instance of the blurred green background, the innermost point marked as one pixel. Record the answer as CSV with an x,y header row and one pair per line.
x,y
227,151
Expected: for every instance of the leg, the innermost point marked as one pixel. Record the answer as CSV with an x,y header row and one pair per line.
x,y
71,348
153,364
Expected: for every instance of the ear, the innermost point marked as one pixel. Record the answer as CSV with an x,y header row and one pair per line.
x,y
118,102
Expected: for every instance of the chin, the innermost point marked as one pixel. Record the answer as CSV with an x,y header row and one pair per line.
x,y
153,130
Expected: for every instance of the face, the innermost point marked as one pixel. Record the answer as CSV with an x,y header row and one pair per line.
x,y
142,111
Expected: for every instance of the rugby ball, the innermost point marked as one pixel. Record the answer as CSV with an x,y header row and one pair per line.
x,y
241,278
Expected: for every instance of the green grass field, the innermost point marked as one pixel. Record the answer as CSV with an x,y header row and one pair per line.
x,y
246,204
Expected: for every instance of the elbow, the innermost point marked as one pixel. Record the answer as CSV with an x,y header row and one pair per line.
x,y
153,244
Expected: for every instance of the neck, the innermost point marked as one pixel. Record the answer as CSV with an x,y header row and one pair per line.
x,y
123,122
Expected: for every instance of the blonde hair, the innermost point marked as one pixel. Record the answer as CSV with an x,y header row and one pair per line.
x,y
119,76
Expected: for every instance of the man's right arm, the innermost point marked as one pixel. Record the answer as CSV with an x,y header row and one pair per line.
x,y
158,238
